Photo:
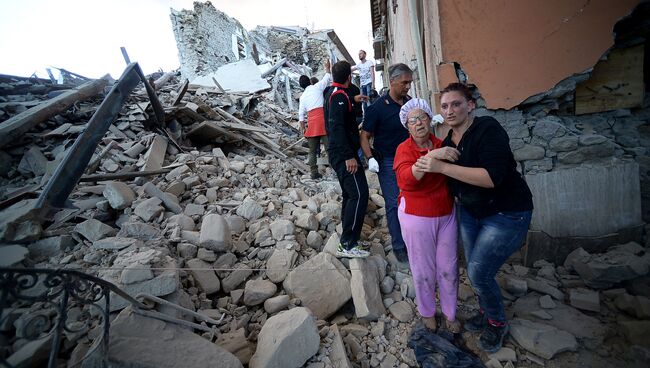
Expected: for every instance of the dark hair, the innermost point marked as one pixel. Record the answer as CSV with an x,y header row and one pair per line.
x,y
397,70
341,71
461,88
304,81
313,80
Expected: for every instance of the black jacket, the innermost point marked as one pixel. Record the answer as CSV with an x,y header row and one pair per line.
x,y
486,144
341,123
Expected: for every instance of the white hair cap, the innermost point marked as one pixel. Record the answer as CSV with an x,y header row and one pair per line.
x,y
412,104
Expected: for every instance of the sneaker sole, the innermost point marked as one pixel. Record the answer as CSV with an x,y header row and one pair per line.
x,y
347,255
499,346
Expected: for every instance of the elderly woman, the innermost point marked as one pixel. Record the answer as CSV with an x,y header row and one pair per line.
x,y
494,204
426,216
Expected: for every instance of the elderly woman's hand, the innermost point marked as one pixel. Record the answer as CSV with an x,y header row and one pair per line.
x,y
445,153
429,164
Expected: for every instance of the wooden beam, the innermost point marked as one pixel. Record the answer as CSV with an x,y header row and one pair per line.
x,y
163,80
127,175
274,68
181,92
125,55
615,83
287,87
14,127
232,103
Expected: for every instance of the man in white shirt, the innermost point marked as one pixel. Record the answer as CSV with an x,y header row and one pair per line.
x,y
366,70
311,116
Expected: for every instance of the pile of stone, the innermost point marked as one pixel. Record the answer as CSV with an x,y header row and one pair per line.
x,y
240,235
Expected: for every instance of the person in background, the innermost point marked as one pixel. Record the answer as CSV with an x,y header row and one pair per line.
x,y
382,124
427,218
343,144
493,201
366,70
311,116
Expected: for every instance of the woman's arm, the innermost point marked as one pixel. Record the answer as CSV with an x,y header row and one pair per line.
x,y
471,175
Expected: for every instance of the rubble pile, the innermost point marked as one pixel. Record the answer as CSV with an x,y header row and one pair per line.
x,y
216,51
211,211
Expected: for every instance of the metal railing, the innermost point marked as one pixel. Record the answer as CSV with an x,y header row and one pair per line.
x,y
49,295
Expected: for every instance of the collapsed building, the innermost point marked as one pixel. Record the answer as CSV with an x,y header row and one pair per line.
x,y
153,222
213,45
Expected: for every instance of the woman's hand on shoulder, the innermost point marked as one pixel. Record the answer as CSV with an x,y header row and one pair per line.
x,y
444,153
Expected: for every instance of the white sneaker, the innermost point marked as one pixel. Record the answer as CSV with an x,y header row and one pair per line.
x,y
355,252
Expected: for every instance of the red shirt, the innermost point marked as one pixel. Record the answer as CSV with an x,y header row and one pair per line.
x,y
427,197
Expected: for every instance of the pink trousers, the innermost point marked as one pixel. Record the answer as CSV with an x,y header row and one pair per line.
x,y
432,251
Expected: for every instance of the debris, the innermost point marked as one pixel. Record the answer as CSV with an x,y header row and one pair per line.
x,y
94,230
322,284
585,299
540,339
205,278
637,306
139,341
13,128
364,285
215,233
287,339
118,194
604,270
402,311
12,254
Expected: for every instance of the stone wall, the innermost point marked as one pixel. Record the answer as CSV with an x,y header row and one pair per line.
x,y
296,44
204,37
544,137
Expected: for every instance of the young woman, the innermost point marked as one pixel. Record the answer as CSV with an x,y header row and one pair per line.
x,y
494,204
426,216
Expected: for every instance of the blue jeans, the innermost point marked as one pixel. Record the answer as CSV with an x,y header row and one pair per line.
x,y
365,90
488,243
390,191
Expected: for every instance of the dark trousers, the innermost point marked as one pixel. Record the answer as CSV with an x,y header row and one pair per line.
x,y
313,143
390,192
355,201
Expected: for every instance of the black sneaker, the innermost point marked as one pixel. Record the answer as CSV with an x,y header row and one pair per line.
x,y
492,337
476,323
401,255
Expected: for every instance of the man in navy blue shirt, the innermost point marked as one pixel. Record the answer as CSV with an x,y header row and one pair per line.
x,y
381,122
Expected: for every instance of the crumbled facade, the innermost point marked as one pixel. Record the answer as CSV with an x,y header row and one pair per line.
x,y
568,87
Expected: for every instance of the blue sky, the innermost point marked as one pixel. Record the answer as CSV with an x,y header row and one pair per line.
x,y
84,36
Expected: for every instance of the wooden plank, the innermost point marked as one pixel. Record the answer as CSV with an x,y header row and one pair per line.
x,y
125,55
14,127
245,128
287,85
128,175
181,92
615,83
163,80
223,91
255,134
19,194
274,67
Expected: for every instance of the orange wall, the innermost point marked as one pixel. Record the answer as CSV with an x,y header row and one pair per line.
x,y
513,49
